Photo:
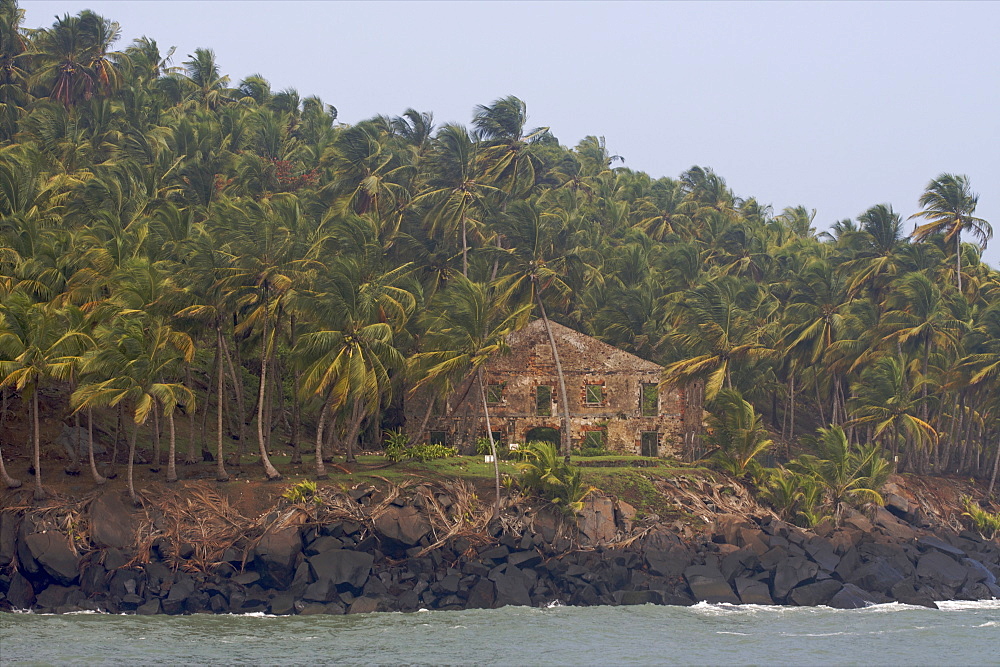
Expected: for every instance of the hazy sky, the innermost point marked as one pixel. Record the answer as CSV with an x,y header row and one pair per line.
x,y
835,106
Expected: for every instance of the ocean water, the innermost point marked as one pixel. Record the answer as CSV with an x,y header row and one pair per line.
x,y
961,633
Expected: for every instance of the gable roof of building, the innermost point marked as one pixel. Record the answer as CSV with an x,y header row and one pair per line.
x,y
573,346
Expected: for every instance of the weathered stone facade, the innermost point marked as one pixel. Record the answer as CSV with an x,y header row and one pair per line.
x,y
615,398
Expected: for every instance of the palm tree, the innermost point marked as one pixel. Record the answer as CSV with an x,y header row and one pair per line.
x,y
884,399
469,329
348,357
737,433
209,87
718,324
535,266
849,475
129,366
74,58
34,346
456,192
508,153
268,265
948,206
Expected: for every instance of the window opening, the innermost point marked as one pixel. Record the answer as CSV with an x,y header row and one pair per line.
x,y
543,400
650,403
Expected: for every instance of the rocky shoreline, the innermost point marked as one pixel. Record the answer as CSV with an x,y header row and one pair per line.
x,y
394,552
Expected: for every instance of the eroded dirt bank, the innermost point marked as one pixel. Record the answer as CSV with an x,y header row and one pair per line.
x,y
200,547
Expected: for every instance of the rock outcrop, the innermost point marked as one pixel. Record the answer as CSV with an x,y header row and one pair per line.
x,y
391,562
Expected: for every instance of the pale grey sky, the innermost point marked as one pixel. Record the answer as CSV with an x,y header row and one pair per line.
x,y
833,105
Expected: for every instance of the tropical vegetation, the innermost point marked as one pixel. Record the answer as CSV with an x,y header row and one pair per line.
x,y
193,259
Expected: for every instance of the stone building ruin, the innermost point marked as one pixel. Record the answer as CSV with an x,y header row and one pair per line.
x,y
616,399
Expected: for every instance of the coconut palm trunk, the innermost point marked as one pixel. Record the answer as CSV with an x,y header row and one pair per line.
x,y
996,466
220,474
357,414
562,380
98,479
493,444
192,455
172,461
129,477
9,481
37,442
269,469
240,402
320,427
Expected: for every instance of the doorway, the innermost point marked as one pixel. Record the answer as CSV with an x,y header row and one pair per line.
x,y
650,443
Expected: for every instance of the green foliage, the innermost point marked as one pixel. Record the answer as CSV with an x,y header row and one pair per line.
x,y
736,433
547,475
164,211
396,443
593,451
303,492
985,523
815,487
397,450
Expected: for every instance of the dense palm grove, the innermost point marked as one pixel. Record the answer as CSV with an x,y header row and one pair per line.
x,y
171,243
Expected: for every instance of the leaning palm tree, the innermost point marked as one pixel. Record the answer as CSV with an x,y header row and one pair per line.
x,y
948,206
470,328
535,265
35,345
349,354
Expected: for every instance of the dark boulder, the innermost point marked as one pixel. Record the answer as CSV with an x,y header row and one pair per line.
x,y
752,591
790,573
363,605
179,592
482,595
403,525
597,521
94,578
321,544
51,550
670,561
932,542
852,597
342,567
112,524
977,572
52,596
20,594
812,595
876,576
905,593
631,598
282,604
8,537
275,556
937,569
512,586
707,584
150,608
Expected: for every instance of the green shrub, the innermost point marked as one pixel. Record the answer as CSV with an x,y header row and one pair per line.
x,y
546,474
303,492
426,452
398,451
985,523
396,445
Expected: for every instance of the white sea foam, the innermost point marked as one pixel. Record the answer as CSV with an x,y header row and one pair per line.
x,y
962,605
